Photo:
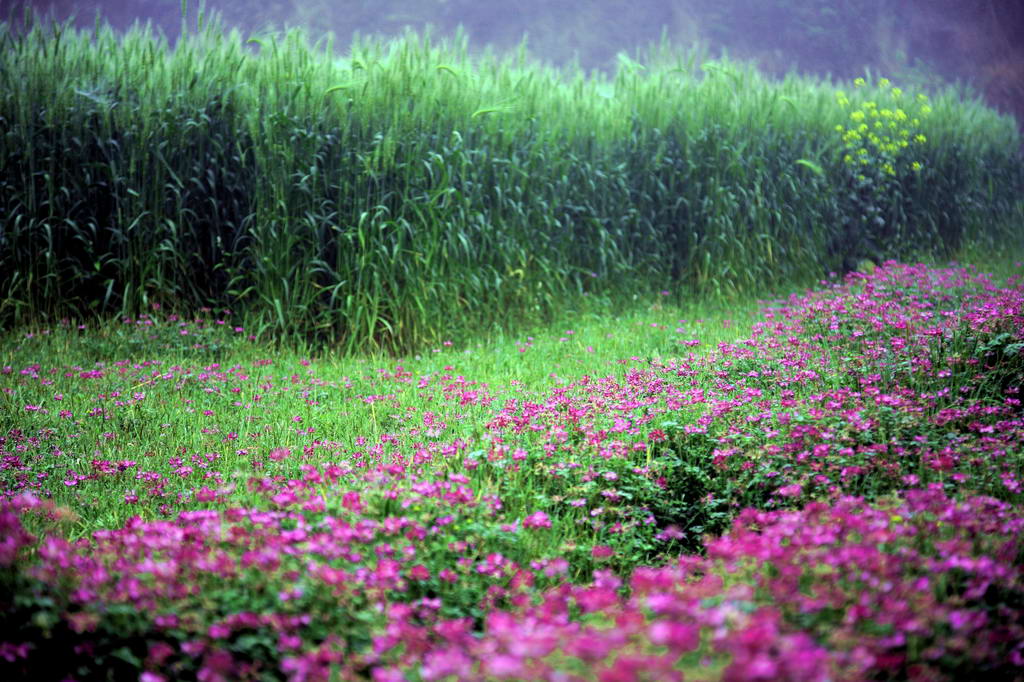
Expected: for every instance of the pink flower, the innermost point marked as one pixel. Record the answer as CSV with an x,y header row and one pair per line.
x,y
537,520
557,566
676,636
595,599
793,490
159,652
278,454
504,666
350,500
285,498
591,647
219,631
11,652
438,665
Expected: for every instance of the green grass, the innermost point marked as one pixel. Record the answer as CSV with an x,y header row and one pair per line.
x,y
525,367
207,356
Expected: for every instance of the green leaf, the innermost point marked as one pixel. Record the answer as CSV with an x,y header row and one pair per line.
x,y
125,654
807,163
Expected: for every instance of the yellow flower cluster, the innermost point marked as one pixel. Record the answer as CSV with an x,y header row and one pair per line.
x,y
881,129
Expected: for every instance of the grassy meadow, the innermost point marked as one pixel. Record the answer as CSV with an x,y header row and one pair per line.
x,y
821,487
415,365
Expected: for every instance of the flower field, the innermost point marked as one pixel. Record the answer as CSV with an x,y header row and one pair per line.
x,y
826,488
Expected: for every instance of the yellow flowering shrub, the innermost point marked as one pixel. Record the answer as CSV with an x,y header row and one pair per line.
x,y
880,136
880,133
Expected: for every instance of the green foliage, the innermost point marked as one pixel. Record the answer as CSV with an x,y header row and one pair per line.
x,y
409,192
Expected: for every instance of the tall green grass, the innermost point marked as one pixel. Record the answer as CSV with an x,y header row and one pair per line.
x,y
409,191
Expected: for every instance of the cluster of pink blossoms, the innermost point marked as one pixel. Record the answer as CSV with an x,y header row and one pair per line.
x,y
865,441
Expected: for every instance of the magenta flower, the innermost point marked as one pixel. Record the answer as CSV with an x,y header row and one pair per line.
x,y
792,490
537,519
678,637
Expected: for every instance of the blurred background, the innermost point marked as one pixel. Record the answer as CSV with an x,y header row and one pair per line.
x,y
920,43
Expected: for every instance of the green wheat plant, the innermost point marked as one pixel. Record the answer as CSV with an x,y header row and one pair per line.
x,y
409,190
